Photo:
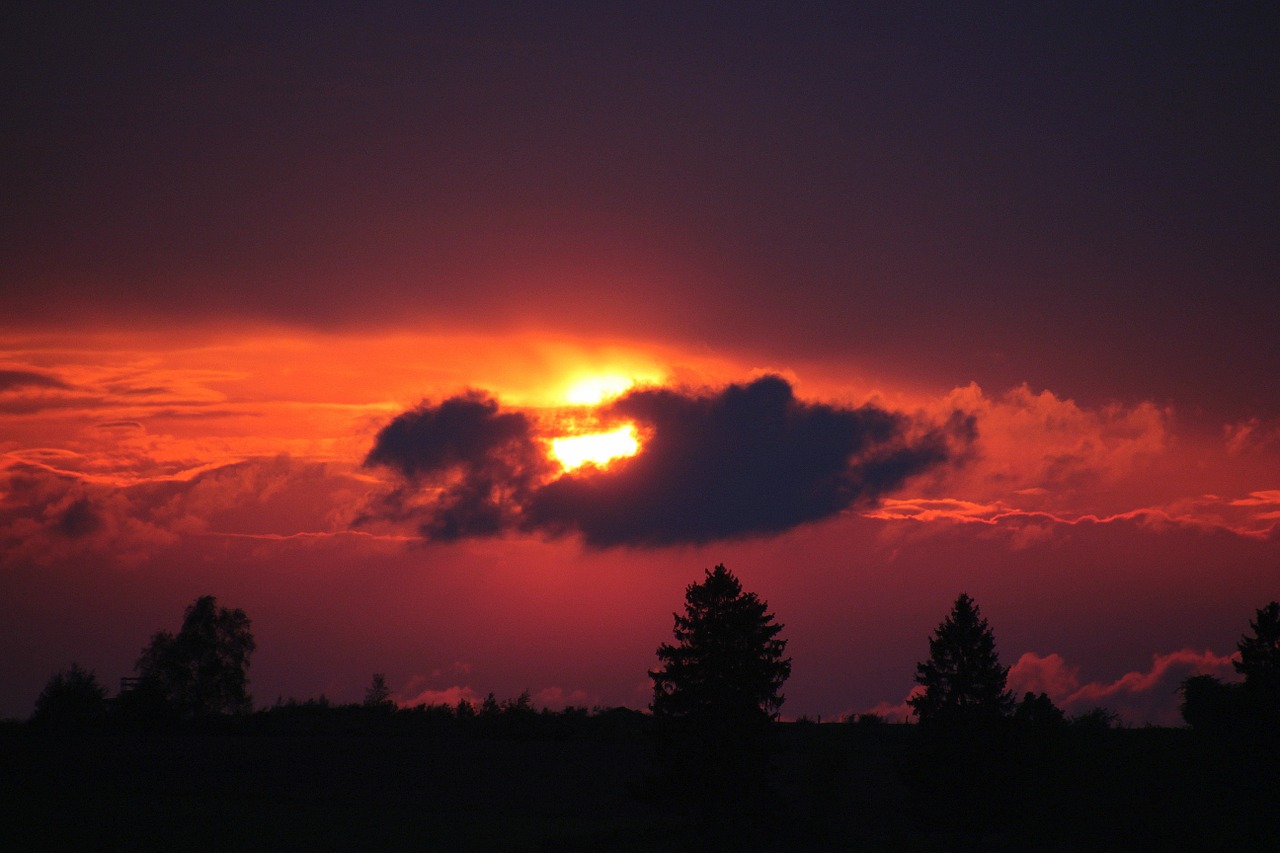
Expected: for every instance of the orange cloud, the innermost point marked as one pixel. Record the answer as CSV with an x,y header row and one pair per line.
x,y
1041,463
1033,443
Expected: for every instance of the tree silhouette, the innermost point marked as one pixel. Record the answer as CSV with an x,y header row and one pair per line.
x,y
1038,713
378,695
71,699
1260,660
1210,705
726,667
714,696
201,671
962,679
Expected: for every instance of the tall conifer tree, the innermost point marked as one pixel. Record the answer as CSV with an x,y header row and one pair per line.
x,y
963,680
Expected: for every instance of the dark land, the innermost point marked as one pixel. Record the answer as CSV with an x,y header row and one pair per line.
x,y
346,778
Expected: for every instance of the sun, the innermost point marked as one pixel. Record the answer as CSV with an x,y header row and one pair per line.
x,y
599,448
592,390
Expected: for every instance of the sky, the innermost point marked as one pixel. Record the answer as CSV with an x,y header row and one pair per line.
x,y
891,303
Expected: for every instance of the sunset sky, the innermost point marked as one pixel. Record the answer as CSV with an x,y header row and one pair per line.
x,y
889,305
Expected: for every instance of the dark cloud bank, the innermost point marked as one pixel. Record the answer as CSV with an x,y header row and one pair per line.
x,y
13,379
747,460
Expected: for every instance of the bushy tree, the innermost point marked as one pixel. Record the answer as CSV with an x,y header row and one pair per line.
x,y
1038,713
71,699
1210,705
963,680
202,670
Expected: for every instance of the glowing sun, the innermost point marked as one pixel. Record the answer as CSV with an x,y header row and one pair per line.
x,y
593,390
599,448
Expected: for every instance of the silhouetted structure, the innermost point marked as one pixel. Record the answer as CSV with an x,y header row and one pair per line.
x,y
963,681
716,693
201,671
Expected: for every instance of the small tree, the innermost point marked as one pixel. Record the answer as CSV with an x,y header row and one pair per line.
x,y
72,699
962,679
201,671
378,695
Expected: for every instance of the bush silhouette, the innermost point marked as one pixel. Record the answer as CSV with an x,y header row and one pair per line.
x,y
71,700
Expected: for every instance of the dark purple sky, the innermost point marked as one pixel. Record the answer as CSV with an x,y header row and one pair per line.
x,y
1084,197
1016,264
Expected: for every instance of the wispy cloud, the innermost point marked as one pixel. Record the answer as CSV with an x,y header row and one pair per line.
x,y
1256,516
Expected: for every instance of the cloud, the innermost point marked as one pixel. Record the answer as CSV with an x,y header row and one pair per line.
x,y
751,459
557,698
745,460
47,515
447,696
128,425
1251,436
1040,445
483,462
11,379
1139,697
1256,516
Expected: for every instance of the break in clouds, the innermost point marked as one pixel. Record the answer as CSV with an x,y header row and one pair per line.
x,y
746,460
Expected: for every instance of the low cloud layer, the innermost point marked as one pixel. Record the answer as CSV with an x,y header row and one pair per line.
x,y
746,460
48,515
1139,697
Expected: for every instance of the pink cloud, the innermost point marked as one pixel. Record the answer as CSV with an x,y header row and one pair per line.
x,y
1139,697
1251,436
1040,443
448,696
900,712
557,698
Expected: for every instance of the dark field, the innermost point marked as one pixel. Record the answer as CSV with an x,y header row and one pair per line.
x,y
834,787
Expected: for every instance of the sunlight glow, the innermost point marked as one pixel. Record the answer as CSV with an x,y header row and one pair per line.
x,y
592,389
599,448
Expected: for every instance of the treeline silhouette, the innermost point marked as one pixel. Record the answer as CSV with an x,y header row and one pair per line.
x,y
709,766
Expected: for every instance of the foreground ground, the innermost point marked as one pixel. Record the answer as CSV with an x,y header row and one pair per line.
x,y
835,787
